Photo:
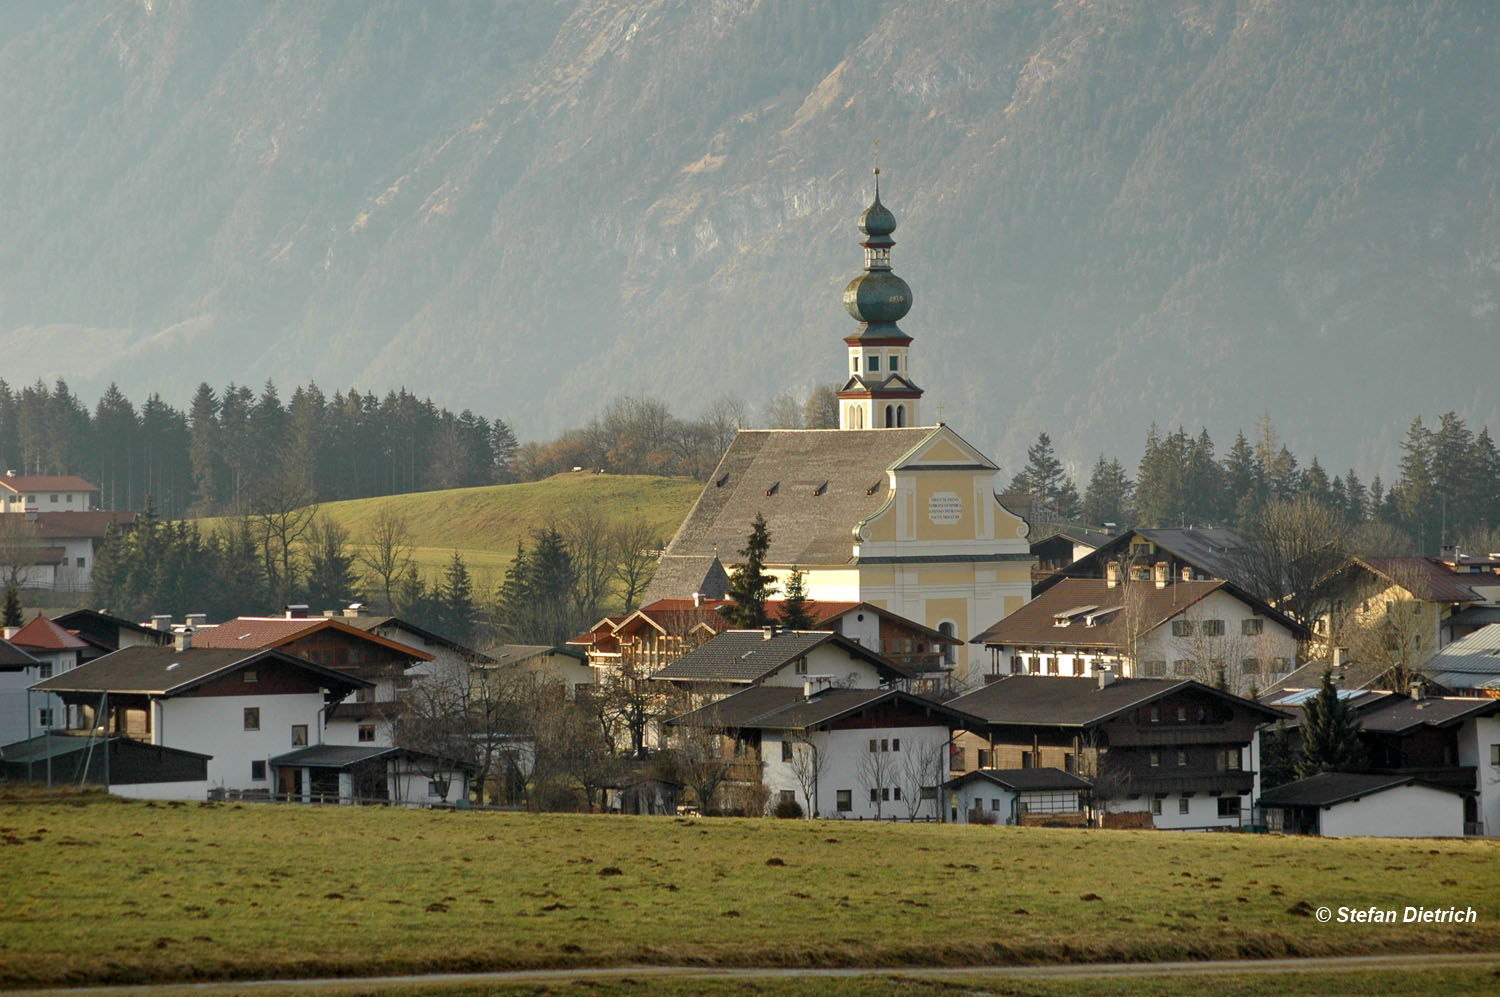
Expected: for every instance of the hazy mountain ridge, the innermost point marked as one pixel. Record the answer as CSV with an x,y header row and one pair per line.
x,y
1108,216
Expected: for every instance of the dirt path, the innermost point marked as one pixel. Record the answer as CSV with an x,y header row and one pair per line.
x,y
1252,967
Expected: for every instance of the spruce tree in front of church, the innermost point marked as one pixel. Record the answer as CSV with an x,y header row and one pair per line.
x,y
12,606
794,612
749,585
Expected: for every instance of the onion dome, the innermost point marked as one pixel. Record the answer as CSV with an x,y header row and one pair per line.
x,y
877,297
877,219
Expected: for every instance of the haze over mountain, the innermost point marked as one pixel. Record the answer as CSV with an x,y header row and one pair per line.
x,y
1110,213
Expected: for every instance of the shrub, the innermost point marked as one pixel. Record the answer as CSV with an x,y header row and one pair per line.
x,y
788,810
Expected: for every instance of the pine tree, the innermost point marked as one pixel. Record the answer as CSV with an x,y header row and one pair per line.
x,y
1107,497
1045,478
1330,734
456,602
12,612
794,611
331,580
749,585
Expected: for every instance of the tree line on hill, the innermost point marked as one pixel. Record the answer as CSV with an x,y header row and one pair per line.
x,y
1448,490
235,451
229,447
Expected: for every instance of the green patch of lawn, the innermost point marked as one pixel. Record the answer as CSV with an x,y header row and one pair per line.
x,y
106,890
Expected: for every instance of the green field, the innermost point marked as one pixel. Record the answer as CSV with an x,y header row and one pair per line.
x,y
103,890
483,524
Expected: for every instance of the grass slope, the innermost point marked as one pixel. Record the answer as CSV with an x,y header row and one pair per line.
x,y
483,524
105,890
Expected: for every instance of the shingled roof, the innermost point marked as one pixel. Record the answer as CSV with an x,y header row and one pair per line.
x,y
275,631
166,671
782,708
1022,780
45,483
812,486
1327,788
1078,702
41,634
745,656
1083,599
12,658
1214,551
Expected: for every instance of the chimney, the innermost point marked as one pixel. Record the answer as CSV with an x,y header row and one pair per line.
x,y
329,614
814,684
297,611
1106,674
1415,689
162,622
1338,658
354,609
1187,572
9,632
767,632
196,620
10,472
697,600
184,639
1159,574
1112,574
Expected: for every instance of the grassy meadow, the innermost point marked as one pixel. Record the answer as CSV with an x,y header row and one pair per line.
x,y
483,524
106,890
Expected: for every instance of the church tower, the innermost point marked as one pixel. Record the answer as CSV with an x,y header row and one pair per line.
x,y
879,393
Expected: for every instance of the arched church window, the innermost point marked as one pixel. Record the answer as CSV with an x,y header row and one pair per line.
x,y
890,417
901,415
948,629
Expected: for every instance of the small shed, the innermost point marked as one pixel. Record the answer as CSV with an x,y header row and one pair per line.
x,y
1011,796
645,795
342,773
1350,804
125,766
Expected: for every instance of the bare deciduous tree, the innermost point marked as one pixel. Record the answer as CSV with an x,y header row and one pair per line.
x,y
921,769
20,545
806,765
1289,546
637,550
283,509
388,554
877,773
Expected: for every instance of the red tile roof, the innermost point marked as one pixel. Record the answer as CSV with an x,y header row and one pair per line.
x,y
77,525
275,631
45,483
41,634
1425,578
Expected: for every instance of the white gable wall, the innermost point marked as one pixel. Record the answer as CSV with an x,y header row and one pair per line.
x,y
1404,812
215,725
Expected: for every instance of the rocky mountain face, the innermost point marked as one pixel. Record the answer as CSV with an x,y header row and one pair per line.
x,y
1110,214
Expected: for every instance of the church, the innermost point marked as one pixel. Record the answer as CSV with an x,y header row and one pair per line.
x,y
881,510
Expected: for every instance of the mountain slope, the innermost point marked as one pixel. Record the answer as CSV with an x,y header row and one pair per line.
x,y
1109,214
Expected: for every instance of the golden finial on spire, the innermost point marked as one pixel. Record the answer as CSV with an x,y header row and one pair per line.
x,y
877,169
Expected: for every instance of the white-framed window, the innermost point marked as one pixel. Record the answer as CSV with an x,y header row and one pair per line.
x,y
1182,805
252,718
1156,806
844,801
1154,669
1252,627
44,717
788,796
299,735
366,732
44,670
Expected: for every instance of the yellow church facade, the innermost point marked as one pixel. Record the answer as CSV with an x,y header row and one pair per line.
x,y
880,510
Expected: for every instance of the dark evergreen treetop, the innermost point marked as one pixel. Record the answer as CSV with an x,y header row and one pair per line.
x,y
749,585
794,610
1330,734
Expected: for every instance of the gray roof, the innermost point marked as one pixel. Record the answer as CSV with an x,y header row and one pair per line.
x,y
510,654
369,623
332,756
749,655
781,708
812,485
1398,714
167,671
55,744
1327,788
12,658
1472,662
1474,616
1076,702
1349,675
1022,780
679,576
1215,551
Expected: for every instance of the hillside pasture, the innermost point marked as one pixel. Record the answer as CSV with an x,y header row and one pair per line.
x,y
106,890
484,524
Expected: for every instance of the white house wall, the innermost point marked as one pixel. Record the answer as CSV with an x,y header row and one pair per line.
x,y
834,662
1476,742
215,725
840,757
195,790
1404,812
